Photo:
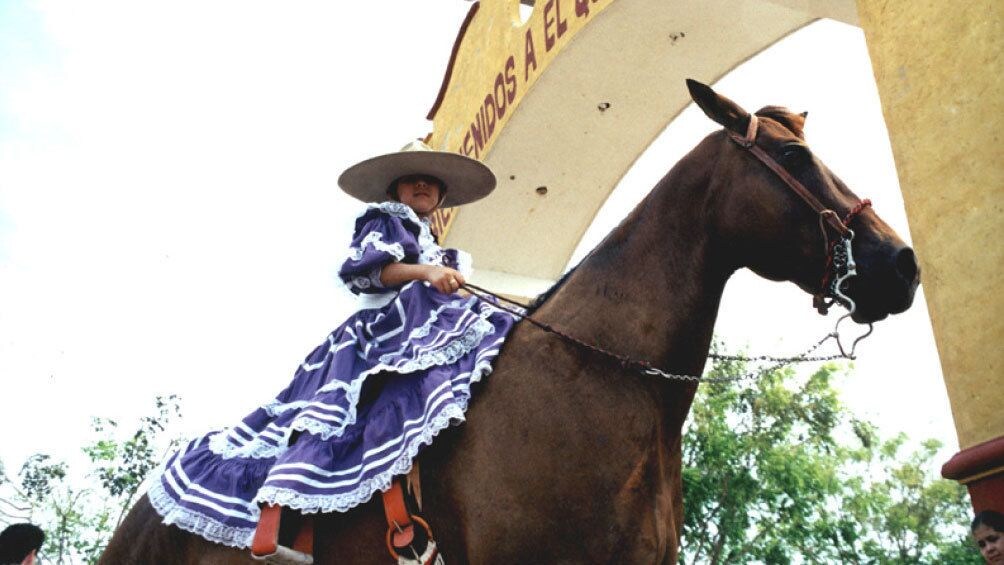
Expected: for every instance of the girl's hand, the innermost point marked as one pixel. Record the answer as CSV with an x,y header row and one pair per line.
x,y
445,279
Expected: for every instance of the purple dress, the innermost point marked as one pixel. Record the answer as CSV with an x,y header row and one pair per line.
x,y
360,406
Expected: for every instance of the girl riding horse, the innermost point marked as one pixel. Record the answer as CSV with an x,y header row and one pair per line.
x,y
569,456
380,386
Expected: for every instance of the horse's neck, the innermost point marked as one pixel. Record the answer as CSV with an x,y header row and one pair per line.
x,y
650,290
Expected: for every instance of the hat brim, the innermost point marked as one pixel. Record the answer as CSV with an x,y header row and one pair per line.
x,y
466,179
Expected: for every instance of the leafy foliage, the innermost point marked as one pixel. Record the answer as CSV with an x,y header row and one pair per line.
x,y
78,520
121,466
781,473
38,475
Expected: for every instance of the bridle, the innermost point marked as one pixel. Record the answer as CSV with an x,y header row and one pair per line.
x,y
840,265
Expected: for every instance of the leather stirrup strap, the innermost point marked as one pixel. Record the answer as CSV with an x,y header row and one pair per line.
x,y
265,543
398,519
266,535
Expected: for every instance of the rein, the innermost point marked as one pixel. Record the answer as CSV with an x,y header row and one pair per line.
x,y
649,369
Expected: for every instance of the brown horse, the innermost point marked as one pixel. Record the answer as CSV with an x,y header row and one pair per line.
x,y
568,457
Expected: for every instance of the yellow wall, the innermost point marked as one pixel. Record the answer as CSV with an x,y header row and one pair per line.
x,y
938,66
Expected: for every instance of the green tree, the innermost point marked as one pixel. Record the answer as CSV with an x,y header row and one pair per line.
x,y
906,516
77,517
121,465
780,472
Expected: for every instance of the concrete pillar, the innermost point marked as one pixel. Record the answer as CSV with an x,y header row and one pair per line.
x,y
938,66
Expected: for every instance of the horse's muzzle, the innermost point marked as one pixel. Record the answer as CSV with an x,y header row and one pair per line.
x,y
886,284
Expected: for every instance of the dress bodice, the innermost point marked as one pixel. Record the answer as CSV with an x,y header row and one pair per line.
x,y
391,232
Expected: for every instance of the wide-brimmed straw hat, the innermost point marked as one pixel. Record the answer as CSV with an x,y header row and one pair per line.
x,y
466,179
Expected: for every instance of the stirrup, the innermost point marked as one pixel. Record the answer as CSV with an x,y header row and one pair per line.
x,y
430,557
265,546
285,556
401,524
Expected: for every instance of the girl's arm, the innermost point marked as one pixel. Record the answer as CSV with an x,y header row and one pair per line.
x,y
395,274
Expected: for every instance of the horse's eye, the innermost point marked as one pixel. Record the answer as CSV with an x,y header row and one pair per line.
x,y
795,155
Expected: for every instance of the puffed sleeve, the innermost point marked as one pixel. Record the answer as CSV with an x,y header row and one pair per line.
x,y
379,239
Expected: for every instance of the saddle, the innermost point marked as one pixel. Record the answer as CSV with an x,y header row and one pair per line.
x,y
407,544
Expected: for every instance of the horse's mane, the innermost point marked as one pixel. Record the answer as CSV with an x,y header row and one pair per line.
x,y
794,122
542,297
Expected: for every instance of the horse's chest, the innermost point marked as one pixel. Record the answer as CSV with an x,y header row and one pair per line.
x,y
643,520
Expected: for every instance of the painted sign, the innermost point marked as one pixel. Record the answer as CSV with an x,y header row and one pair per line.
x,y
495,62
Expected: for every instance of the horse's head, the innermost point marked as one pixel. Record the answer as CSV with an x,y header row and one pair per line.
x,y
761,221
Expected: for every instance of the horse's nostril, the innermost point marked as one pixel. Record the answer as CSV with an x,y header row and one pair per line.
x,y
906,264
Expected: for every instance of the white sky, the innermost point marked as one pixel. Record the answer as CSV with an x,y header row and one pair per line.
x,y
170,220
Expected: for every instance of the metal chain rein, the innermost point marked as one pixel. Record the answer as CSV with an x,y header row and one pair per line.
x,y
647,368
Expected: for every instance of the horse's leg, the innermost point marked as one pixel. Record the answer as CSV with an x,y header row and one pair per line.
x,y
142,539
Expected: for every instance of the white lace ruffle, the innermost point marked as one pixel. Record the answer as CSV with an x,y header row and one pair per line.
x,y
404,212
365,490
277,407
195,522
430,253
375,239
447,355
317,427
257,448
451,414
425,328
364,300
254,449
456,349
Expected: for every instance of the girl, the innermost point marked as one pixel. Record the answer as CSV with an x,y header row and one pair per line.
x,y
381,386
988,533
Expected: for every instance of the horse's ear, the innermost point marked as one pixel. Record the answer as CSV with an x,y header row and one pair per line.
x,y
719,108
798,123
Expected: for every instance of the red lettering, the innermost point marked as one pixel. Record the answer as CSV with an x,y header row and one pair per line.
x,y
477,126
562,24
582,8
530,56
548,22
483,120
488,110
496,104
441,219
510,78
467,146
499,94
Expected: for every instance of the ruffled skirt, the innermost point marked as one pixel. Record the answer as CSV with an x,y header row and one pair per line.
x,y
357,412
